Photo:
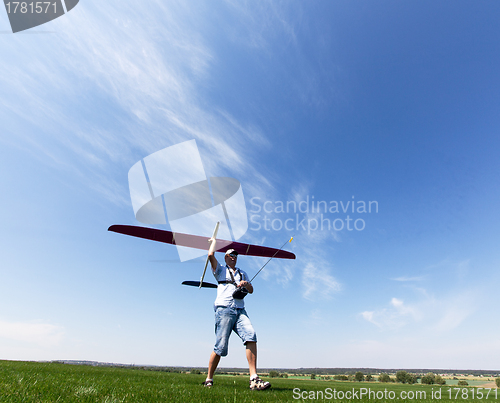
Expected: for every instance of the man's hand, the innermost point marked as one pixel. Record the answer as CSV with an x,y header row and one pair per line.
x,y
247,285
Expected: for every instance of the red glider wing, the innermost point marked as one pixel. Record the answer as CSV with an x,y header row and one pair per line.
x,y
199,242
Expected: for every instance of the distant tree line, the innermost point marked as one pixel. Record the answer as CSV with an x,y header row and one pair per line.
x,y
401,377
431,379
366,371
385,378
276,374
405,377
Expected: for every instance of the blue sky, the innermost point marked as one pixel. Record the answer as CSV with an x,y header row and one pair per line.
x,y
389,101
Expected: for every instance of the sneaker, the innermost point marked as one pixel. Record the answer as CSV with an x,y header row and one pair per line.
x,y
259,384
208,384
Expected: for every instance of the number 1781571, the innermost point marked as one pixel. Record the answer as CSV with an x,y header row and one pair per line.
x,y
472,393
33,7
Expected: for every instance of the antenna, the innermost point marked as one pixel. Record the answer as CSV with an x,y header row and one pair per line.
x,y
290,240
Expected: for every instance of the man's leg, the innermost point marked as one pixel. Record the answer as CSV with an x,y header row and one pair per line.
x,y
224,321
212,365
255,382
251,351
245,330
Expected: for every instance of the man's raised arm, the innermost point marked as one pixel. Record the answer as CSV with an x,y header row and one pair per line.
x,y
211,255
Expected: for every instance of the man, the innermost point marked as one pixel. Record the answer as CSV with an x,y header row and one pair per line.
x,y
230,315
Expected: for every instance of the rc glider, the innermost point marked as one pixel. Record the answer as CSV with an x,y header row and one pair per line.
x,y
204,243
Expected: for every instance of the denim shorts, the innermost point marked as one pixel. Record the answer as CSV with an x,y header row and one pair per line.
x,y
229,319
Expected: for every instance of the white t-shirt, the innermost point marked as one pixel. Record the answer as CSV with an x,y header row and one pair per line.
x,y
225,291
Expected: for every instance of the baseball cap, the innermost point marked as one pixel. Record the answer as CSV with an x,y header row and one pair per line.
x,y
231,252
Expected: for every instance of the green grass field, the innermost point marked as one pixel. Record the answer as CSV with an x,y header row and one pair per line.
x,y
52,382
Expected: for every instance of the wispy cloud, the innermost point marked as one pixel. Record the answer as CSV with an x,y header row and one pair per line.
x,y
318,283
456,309
408,279
43,334
262,21
120,88
368,315
397,314
439,313
442,314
